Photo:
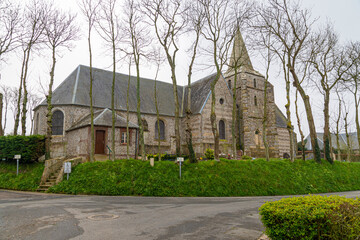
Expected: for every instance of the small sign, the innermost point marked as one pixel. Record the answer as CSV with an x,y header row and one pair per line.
x,y
67,167
17,157
180,159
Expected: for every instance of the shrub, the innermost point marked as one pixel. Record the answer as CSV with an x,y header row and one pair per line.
x,y
209,153
29,147
246,157
311,217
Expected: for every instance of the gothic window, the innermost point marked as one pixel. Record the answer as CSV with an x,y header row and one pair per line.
x,y
229,83
58,123
222,129
254,83
123,137
257,137
161,125
145,125
255,101
221,101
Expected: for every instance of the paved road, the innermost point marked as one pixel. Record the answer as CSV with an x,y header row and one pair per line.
x,y
46,216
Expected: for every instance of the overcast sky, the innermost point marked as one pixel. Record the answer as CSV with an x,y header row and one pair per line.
x,y
344,14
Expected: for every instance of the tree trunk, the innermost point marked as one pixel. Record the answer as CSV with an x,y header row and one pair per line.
x,y
299,126
25,97
213,118
357,119
288,124
234,114
18,110
347,138
1,114
264,122
157,119
141,130
49,109
92,133
177,111
127,114
113,105
338,129
327,137
310,118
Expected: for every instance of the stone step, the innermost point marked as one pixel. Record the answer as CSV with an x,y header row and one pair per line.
x,y
47,185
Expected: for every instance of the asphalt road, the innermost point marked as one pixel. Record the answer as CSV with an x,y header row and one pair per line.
x,y
35,216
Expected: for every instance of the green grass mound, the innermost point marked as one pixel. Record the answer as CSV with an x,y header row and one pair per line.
x,y
28,179
211,178
312,217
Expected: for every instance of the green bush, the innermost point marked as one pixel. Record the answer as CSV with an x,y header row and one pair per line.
x,y
312,217
246,157
209,153
28,179
29,147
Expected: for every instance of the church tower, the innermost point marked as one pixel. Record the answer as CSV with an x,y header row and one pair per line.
x,y
250,86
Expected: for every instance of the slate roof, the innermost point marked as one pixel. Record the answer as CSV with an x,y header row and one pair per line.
x,y
102,118
74,90
280,118
342,141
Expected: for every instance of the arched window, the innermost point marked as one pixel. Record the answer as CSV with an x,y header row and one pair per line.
x,y
255,101
221,129
257,137
161,125
229,83
254,83
58,123
145,125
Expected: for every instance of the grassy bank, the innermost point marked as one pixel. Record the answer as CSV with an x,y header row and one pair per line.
x,y
28,179
210,178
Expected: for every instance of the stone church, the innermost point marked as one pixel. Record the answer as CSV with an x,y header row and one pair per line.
x,y
71,113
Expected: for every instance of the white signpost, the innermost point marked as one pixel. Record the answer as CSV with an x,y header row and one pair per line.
x,y
17,157
180,160
67,168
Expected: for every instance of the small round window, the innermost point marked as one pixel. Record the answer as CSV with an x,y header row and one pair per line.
x,y
221,101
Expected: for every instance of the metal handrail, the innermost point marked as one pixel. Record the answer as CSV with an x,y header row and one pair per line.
x,y
109,151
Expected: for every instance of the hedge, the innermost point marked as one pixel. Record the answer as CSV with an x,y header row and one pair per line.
x,y
312,217
29,147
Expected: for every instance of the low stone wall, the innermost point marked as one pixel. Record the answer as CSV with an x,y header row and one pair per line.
x,y
74,162
51,166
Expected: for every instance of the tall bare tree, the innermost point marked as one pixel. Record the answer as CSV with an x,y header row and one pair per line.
x,y
60,32
6,93
108,28
33,27
352,79
291,26
89,9
166,18
330,64
302,137
195,16
10,18
138,40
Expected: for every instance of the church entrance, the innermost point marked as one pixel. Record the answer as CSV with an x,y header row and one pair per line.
x,y
100,142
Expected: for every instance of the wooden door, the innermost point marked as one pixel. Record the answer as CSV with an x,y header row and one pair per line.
x,y
100,142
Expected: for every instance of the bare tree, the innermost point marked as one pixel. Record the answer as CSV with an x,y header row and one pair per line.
x,y
13,102
9,25
138,40
195,16
338,122
330,64
127,112
219,29
1,114
291,26
346,110
166,18
89,9
6,93
352,79
60,32
108,28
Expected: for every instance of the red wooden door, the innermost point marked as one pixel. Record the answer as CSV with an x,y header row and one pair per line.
x,y
100,142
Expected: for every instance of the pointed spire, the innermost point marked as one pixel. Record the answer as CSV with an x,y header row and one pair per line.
x,y
239,57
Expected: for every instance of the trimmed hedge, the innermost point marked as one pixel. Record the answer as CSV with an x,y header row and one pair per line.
x,y
312,217
29,147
